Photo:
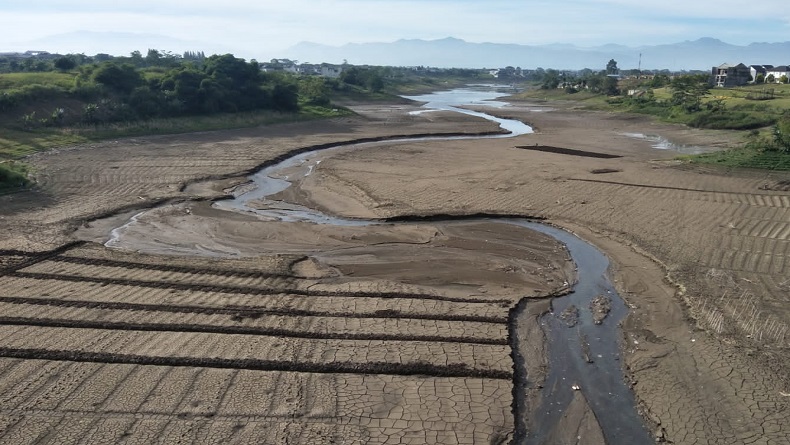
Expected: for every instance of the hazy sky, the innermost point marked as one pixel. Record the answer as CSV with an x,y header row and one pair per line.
x,y
263,28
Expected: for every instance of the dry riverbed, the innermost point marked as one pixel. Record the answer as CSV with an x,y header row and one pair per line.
x,y
384,334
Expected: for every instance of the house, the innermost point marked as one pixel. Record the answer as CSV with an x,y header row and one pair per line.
x,y
777,72
331,71
726,75
756,70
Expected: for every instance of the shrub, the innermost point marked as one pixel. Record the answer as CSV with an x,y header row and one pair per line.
x,y
731,120
12,176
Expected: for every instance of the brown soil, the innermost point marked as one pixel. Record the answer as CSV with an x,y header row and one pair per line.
x,y
110,346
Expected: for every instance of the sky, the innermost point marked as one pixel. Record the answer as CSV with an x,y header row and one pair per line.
x,y
264,29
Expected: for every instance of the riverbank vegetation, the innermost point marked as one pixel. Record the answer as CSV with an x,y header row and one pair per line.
x,y
47,101
761,111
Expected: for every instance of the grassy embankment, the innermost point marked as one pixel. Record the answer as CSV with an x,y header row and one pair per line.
x,y
752,109
38,94
29,103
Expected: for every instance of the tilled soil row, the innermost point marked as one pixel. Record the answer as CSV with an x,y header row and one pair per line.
x,y
37,257
251,290
417,368
247,330
240,313
22,253
167,267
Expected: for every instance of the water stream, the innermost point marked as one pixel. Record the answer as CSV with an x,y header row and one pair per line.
x,y
602,381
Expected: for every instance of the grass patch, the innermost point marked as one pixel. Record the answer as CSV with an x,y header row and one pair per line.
x,y
731,120
746,157
10,81
353,94
424,85
18,143
228,121
15,144
559,94
13,176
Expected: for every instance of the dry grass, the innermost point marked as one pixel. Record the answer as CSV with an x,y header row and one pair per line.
x,y
737,311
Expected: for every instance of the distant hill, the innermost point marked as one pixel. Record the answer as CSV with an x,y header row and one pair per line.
x,y
699,54
115,43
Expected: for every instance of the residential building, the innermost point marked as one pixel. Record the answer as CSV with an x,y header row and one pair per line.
x,y
727,75
331,71
777,72
756,70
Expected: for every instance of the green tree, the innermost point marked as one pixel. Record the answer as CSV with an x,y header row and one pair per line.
x,y
285,97
688,91
610,86
594,82
153,57
184,82
122,78
375,82
659,81
551,79
611,67
783,79
65,63
770,79
760,78
146,103
137,58
241,81
314,90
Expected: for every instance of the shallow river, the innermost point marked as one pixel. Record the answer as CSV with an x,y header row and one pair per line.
x,y
583,358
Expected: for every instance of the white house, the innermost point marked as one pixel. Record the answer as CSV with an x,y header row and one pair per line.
x,y
777,72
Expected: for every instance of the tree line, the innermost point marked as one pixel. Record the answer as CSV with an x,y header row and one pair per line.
x,y
158,84
222,83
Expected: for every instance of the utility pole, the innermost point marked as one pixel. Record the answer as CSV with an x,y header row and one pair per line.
x,y
640,64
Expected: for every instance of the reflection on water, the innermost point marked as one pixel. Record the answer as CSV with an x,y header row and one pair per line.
x,y
478,95
662,143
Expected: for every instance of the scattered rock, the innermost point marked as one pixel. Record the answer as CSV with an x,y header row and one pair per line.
x,y
570,316
660,436
600,307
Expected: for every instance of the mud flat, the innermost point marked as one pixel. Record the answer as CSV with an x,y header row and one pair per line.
x,y
95,339
690,246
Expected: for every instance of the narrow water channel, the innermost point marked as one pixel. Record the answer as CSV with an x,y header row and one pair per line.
x,y
583,358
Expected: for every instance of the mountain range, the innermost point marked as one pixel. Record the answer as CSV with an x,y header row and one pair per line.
x,y
699,54
111,42
449,52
